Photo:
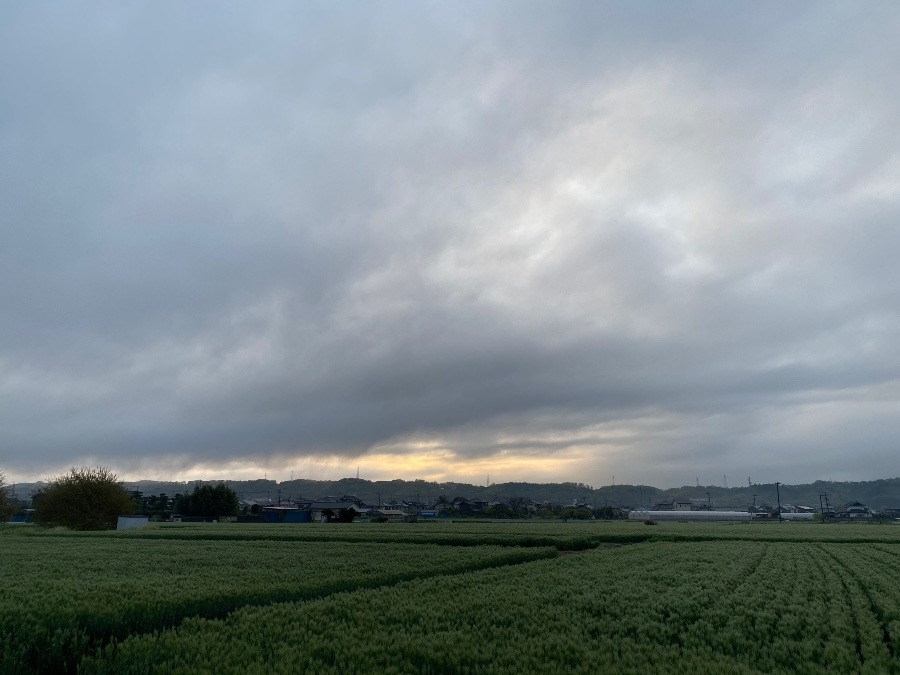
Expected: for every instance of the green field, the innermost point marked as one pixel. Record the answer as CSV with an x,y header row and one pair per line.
x,y
467,597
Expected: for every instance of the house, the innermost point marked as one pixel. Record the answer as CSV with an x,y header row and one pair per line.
x,y
469,507
328,510
855,510
347,500
479,505
680,504
393,515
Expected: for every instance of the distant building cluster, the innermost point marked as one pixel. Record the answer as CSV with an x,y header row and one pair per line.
x,y
703,509
265,507
343,508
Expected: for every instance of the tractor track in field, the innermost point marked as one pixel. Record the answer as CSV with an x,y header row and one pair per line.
x,y
873,606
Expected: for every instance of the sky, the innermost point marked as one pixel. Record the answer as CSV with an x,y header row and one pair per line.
x,y
639,242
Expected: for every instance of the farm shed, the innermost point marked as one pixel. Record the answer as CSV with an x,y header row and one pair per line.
x,y
286,514
394,515
129,522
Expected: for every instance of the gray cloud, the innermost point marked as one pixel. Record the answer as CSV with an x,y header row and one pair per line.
x,y
651,241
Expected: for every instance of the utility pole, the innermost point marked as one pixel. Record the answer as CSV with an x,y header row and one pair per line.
x,y
708,502
748,481
753,508
827,506
778,492
725,480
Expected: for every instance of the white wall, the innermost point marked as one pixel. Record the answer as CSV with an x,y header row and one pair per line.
x,y
128,522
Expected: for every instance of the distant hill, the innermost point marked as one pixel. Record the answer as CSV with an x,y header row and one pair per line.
x,y
877,494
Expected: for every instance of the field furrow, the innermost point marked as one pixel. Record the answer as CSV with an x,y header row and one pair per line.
x,y
60,597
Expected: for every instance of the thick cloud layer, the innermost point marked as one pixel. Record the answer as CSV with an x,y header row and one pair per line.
x,y
546,241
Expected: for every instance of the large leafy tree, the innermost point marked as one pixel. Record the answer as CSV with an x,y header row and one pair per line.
x,y
7,505
83,499
208,501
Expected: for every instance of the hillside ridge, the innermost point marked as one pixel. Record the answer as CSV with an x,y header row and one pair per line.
x,y
877,494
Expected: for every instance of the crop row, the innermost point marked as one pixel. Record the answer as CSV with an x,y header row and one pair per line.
x,y
797,532
573,537
725,607
60,597
563,536
871,577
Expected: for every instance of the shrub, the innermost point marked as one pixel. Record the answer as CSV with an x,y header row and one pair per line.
x,y
83,499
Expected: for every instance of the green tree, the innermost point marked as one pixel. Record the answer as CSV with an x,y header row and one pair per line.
x,y
500,510
7,505
346,515
208,502
605,512
573,513
163,506
519,506
83,499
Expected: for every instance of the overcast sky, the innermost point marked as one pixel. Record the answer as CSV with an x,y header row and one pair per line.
x,y
545,241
